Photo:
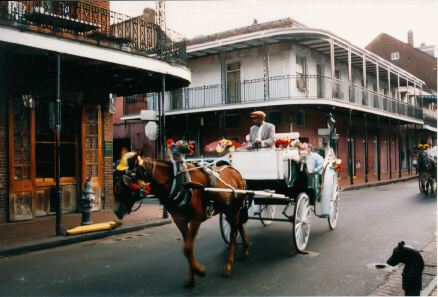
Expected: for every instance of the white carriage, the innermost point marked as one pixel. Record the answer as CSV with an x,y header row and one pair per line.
x,y
279,179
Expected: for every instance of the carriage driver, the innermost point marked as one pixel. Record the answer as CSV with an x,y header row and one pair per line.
x,y
261,134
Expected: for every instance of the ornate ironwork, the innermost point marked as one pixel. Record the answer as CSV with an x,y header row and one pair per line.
x,y
94,23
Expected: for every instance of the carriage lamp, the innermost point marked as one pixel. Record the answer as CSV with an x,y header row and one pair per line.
x,y
86,200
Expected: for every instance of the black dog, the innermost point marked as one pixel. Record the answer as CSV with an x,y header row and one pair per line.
x,y
413,271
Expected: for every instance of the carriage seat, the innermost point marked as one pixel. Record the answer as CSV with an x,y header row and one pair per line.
x,y
291,135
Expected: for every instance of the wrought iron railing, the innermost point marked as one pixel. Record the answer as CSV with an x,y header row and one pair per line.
x,y
92,23
288,87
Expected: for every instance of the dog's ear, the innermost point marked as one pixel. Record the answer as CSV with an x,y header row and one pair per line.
x,y
401,244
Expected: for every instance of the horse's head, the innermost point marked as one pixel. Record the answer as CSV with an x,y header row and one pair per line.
x,y
129,184
137,178
415,153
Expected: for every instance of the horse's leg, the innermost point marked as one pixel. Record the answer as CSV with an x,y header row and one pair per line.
x,y
195,268
244,238
183,227
233,220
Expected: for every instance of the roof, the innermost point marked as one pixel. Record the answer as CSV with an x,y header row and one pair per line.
x,y
289,30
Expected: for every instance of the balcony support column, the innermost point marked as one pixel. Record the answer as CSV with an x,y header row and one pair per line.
x,y
332,65
378,147
163,131
350,81
266,49
350,153
364,77
59,231
407,149
332,59
365,165
378,84
223,76
389,89
390,148
399,150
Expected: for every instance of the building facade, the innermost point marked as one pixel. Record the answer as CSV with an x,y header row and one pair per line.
x,y
62,65
421,62
297,75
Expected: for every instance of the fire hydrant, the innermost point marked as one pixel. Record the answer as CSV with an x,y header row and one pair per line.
x,y
86,200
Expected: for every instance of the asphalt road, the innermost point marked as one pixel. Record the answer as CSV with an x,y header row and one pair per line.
x,y
150,262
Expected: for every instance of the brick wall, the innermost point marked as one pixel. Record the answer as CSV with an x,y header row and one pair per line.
x,y
101,4
107,161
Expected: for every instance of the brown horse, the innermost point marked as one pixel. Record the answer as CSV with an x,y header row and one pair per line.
x,y
187,202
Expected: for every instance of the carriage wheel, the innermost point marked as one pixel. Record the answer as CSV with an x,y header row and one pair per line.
x,y
267,211
226,230
301,223
334,204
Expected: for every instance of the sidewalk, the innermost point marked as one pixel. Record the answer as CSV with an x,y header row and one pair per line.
x,y
393,284
39,234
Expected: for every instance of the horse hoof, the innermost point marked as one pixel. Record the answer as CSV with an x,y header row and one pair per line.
x,y
189,283
227,271
200,271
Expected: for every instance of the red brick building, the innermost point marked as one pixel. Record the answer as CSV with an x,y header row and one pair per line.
x,y
70,58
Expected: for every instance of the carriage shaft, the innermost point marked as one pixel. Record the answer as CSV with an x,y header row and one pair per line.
x,y
248,192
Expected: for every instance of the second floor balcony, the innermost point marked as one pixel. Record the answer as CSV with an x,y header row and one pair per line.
x,y
291,89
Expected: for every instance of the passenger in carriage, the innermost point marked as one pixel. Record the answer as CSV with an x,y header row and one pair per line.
x,y
315,163
261,134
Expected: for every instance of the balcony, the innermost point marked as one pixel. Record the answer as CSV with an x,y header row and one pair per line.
x,y
286,88
94,25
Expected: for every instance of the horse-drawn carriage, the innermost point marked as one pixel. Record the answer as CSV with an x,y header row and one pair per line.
x,y
424,159
282,188
229,186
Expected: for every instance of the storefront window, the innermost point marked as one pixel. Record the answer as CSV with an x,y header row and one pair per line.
x,y
21,118
45,141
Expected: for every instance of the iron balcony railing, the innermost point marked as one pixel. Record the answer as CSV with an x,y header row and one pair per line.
x,y
94,24
289,87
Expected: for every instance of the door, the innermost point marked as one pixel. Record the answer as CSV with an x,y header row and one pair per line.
x,y
92,149
319,78
21,160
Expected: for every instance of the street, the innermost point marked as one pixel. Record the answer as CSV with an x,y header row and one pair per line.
x,y
150,262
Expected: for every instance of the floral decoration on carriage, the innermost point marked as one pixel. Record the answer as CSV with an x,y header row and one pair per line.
x,y
224,147
337,165
423,147
180,148
287,143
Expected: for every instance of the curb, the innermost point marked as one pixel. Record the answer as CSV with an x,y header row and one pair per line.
x,y
429,288
382,183
70,239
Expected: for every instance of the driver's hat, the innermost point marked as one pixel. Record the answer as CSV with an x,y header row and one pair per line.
x,y
259,114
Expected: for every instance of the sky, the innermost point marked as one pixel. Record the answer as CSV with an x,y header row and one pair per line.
x,y
357,21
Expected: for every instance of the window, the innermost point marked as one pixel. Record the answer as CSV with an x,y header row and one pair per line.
x,y
301,73
274,117
395,56
231,121
45,141
301,118
337,93
233,83
319,78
